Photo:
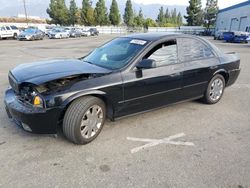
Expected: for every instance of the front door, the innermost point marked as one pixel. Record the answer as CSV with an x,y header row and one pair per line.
x,y
145,89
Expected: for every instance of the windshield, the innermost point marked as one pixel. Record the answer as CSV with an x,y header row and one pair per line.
x,y
57,30
30,30
116,53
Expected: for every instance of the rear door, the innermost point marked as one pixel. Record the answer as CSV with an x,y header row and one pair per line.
x,y
199,60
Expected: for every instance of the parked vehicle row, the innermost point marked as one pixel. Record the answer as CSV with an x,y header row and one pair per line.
x,y
232,36
52,33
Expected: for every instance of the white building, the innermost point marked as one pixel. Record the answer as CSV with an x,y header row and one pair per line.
x,y
234,18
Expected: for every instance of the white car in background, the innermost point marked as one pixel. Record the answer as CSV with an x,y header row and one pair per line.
x,y
9,32
58,33
86,33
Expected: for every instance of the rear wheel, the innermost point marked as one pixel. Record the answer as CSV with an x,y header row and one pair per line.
x,y
84,119
214,90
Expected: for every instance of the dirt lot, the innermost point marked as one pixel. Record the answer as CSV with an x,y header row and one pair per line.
x,y
220,134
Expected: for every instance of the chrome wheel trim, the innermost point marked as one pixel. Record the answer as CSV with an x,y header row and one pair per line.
x,y
91,121
216,89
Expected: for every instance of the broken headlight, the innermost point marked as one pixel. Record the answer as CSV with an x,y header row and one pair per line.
x,y
27,94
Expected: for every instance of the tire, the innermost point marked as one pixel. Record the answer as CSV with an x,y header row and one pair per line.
x,y
215,90
15,36
80,122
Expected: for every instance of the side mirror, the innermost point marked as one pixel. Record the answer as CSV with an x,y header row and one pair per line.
x,y
146,64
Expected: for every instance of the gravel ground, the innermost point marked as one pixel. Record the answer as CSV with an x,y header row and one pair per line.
x,y
220,133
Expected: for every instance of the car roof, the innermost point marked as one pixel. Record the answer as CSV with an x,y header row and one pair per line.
x,y
152,36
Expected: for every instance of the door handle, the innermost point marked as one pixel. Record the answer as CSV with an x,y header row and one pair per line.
x,y
175,74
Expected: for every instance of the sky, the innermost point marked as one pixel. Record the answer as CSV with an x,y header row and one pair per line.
x,y
38,7
221,3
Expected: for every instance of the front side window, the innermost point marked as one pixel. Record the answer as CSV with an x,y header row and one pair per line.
x,y
191,49
164,53
116,53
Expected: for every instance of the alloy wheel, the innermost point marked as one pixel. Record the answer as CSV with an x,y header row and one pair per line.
x,y
91,121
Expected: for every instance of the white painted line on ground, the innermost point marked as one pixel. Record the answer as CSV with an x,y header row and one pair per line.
x,y
155,142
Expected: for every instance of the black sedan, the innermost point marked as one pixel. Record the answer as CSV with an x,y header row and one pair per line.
x,y
125,76
31,34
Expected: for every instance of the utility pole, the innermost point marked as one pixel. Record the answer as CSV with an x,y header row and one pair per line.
x,y
25,11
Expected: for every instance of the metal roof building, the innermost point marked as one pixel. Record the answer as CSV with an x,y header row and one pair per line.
x,y
234,18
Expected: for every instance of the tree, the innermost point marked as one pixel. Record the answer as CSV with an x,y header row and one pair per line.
x,y
100,13
149,23
58,12
87,13
73,12
114,14
179,19
167,16
139,20
128,16
210,13
174,16
194,13
90,16
160,18
78,16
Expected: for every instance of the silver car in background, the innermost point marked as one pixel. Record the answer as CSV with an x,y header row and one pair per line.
x,y
74,32
58,33
31,34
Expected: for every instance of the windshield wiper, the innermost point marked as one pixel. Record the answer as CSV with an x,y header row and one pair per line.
x,y
96,64
88,62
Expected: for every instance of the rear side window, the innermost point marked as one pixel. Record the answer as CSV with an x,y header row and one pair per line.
x,y
7,27
164,53
191,49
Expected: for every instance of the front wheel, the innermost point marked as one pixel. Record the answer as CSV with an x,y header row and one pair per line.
x,y
214,90
84,119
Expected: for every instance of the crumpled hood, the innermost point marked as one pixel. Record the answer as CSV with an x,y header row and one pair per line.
x,y
44,71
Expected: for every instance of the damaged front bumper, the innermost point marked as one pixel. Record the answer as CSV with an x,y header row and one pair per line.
x,y
30,118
